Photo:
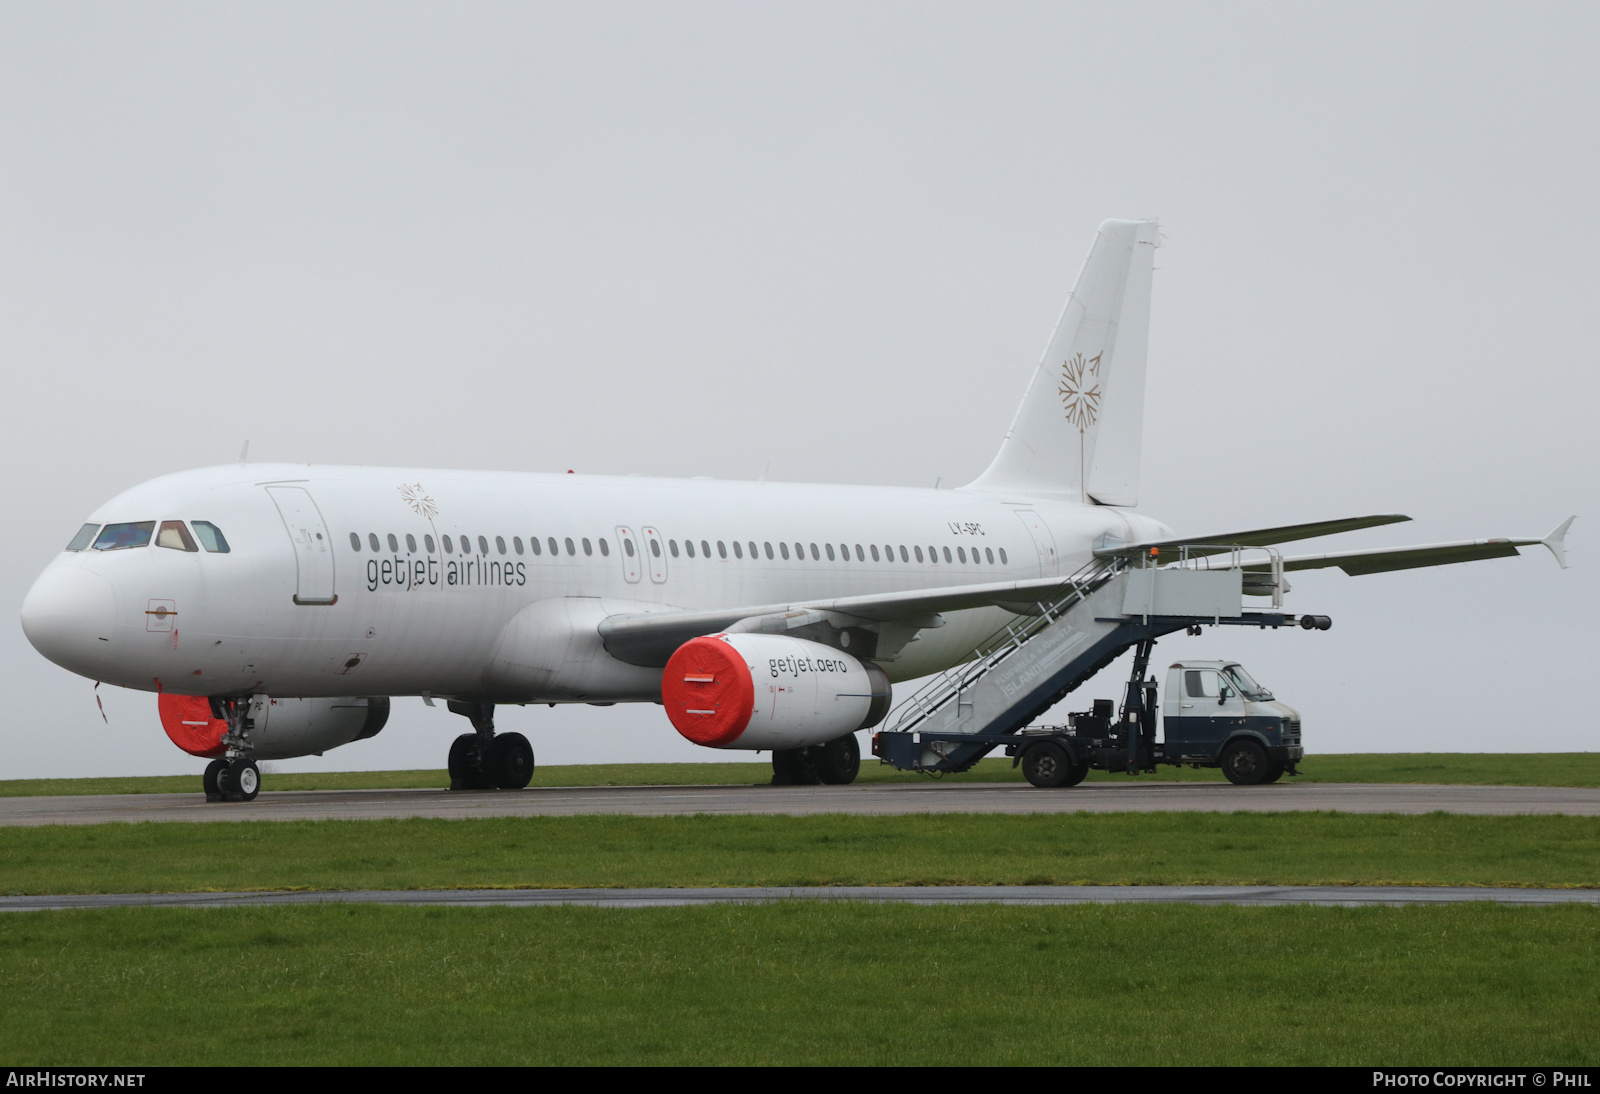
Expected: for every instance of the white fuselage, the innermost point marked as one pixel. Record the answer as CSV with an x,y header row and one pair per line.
x,y
330,618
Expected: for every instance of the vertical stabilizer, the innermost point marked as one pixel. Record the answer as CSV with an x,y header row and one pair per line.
x,y
1079,429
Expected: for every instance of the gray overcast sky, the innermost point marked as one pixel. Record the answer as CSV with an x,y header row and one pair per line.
x,y
693,238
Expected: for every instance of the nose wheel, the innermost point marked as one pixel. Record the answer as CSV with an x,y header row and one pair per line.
x,y
235,778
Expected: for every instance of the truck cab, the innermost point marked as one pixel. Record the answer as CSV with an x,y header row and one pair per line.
x,y
1214,714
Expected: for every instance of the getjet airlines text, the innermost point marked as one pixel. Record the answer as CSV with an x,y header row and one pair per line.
x,y
418,573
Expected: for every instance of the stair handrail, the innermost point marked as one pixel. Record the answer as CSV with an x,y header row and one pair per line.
x,y
1001,644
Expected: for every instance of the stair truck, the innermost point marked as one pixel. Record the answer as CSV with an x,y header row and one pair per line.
x,y
1216,715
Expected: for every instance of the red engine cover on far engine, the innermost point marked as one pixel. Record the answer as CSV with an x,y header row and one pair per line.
x,y
707,691
188,721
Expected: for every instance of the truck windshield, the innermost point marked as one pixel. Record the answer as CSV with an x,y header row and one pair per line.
x,y
1247,685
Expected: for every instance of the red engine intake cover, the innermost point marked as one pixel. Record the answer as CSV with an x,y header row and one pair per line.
x,y
707,690
188,721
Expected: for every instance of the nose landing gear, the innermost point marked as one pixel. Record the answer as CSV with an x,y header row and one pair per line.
x,y
483,760
235,778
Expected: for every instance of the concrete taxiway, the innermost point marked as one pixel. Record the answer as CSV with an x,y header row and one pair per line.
x,y
867,799
1328,895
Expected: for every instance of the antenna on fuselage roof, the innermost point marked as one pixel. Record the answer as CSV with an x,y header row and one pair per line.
x,y
244,453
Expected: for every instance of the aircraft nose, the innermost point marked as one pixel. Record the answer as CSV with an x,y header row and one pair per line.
x,y
68,615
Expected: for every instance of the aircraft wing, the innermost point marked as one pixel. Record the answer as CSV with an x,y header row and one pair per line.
x,y
651,637
1383,559
1259,537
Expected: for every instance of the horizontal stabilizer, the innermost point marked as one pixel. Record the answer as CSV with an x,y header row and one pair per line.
x,y
1260,537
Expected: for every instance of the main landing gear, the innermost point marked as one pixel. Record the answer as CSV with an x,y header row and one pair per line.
x,y
235,777
835,763
484,760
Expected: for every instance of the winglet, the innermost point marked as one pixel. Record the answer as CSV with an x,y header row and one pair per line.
x,y
1557,541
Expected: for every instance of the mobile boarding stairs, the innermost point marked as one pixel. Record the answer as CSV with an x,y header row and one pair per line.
x,y
1021,671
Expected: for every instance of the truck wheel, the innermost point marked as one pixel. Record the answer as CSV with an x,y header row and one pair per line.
x,y
1047,765
1245,763
1077,774
1274,773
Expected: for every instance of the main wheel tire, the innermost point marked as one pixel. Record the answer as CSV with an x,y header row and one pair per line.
x,y
1245,763
243,780
225,787
1047,765
209,780
793,767
839,761
466,764
511,761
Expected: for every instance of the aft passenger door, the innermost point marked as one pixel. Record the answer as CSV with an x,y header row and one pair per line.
x,y
1043,542
313,551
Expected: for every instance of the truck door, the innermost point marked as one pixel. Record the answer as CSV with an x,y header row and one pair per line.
x,y
1209,708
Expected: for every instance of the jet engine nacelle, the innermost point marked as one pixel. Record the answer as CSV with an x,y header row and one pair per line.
x,y
289,727
761,691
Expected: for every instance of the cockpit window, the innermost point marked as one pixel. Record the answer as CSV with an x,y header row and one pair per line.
x,y
114,537
85,536
211,538
174,535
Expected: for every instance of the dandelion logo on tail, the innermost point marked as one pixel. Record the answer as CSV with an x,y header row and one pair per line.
x,y
1080,398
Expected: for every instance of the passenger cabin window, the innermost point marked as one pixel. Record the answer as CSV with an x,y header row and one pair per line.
x,y
535,546
427,541
554,550
449,545
117,537
672,545
783,549
1003,557
816,556
516,544
904,557
355,542
394,544
499,544
738,549
919,553
752,549
372,541
571,550
655,548
85,536
605,548
830,551
875,553
722,549
483,546
705,548
988,553
947,557
688,547
800,552
768,547
861,556
174,535
466,545
411,543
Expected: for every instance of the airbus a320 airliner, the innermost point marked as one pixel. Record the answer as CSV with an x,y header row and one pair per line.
x,y
275,609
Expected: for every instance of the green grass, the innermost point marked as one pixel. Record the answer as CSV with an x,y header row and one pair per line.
x,y
802,984
1457,769
939,849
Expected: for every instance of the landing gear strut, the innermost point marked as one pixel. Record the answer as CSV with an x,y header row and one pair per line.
x,y
235,778
483,760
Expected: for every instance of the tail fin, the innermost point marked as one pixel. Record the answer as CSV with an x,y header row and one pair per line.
x,y
1078,431
1557,541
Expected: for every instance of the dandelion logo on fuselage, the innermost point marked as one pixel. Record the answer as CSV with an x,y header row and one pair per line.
x,y
1080,390
420,502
